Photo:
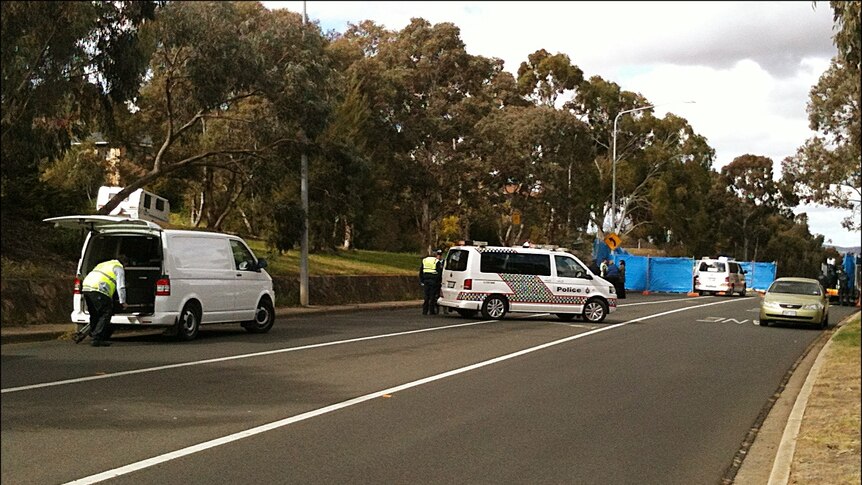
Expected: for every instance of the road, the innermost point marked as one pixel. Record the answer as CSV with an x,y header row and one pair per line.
x,y
664,391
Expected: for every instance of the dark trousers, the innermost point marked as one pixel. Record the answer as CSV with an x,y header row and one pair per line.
x,y
431,291
101,308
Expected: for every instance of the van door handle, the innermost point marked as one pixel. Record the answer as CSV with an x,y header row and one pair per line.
x,y
239,274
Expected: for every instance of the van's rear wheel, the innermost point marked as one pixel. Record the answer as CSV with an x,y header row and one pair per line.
x,y
494,308
595,310
189,322
264,317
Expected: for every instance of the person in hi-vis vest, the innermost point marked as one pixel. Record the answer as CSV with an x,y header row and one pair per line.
x,y
430,276
98,288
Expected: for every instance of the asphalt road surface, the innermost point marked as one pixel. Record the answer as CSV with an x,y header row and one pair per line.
x,y
664,391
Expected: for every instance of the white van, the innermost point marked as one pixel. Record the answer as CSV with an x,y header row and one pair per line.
x,y
497,280
719,275
176,279
140,204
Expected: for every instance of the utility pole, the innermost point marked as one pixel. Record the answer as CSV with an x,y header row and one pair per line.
x,y
303,260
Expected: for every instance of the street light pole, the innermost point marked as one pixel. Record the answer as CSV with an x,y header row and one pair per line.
x,y
614,163
303,243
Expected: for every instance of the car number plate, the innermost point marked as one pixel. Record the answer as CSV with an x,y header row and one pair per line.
x,y
450,284
789,313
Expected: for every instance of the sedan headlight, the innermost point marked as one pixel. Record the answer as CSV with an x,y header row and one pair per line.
x,y
772,305
812,306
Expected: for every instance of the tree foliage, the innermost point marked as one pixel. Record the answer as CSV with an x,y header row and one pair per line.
x,y
827,169
412,142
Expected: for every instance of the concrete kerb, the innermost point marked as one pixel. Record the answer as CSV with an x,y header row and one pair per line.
x,y
64,331
768,456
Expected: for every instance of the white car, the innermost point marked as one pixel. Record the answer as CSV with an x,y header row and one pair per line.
x,y
719,275
175,278
497,280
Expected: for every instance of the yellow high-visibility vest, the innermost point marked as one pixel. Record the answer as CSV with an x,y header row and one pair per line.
x,y
429,265
103,278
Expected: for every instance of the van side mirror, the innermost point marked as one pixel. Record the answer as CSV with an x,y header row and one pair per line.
x,y
261,263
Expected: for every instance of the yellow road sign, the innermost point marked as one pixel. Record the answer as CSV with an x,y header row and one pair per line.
x,y
613,241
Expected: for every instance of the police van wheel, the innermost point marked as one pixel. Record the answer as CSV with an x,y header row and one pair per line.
x,y
264,317
494,308
189,322
466,313
744,291
566,317
595,311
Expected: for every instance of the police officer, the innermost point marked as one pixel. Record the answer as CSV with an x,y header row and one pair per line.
x,y
843,288
430,277
98,288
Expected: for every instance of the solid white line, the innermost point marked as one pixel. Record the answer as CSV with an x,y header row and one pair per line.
x,y
660,301
232,357
132,467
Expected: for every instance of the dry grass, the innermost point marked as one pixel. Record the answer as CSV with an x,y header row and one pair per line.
x,y
828,448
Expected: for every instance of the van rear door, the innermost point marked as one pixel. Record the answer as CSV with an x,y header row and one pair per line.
x,y
98,223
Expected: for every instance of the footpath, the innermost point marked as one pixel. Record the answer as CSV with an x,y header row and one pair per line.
x,y
768,458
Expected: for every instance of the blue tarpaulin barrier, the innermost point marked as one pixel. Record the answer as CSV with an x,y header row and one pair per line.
x,y
676,275
758,276
671,275
850,269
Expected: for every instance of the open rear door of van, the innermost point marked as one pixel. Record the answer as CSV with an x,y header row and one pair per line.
x,y
97,222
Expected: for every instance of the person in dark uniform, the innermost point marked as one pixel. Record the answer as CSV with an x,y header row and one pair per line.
x,y
621,288
843,288
430,277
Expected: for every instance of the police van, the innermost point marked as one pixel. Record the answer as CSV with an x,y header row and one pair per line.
x,y
719,275
177,279
497,280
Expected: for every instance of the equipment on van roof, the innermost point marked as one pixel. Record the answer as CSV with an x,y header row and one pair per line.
x,y
140,204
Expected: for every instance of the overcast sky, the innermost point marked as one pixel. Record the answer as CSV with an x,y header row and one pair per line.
x,y
747,65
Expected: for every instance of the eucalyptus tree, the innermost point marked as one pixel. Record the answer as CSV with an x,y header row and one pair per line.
x,y
543,77
826,169
429,79
64,65
537,165
756,197
256,78
647,148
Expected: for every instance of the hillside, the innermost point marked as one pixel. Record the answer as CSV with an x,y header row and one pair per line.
x,y
38,250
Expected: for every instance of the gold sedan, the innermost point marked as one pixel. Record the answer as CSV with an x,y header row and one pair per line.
x,y
795,300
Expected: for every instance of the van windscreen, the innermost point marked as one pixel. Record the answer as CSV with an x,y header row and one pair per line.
x,y
456,260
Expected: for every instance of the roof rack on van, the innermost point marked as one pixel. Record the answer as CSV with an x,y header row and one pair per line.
x,y
475,243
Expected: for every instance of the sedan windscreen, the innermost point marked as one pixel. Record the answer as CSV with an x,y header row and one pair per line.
x,y
795,287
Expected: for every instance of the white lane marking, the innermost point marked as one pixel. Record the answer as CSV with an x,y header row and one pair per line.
x,y
232,357
132,467
660,301
258,354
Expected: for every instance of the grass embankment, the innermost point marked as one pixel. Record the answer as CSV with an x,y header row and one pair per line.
x,y
36,250
828,447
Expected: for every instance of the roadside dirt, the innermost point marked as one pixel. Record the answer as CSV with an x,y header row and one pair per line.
x,y
828,446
